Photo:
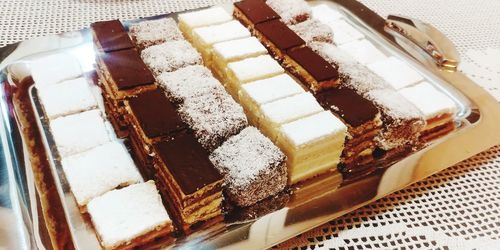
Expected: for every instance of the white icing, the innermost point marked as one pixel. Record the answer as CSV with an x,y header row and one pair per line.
x,y
313,30
99,170
239,48
325,13
396,72
291,10
291,108
79,132
156,31
271,89
52,69
430,101
344,32
170,56
313,128
67,97
255,68
205,17
121,215
363,51
221,32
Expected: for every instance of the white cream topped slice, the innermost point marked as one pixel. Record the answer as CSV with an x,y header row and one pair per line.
x,y
325,13
344,32
396,72
195,19
79,132
99,170
122,216
363,51
234,50
66,98
53,69
436,107
251,69
313,145
285,110
254,94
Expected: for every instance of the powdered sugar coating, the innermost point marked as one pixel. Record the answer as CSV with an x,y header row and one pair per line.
x,y
147,33
252,165
170,56
54,68
313,30
189,82
214,117
291,11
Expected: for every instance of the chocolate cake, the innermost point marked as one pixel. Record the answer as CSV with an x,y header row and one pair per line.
x,y
277,37
110,36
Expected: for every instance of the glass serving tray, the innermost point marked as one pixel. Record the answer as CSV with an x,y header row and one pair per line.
x,y
33,176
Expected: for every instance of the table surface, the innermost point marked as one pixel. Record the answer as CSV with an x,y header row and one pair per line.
x,y
458,208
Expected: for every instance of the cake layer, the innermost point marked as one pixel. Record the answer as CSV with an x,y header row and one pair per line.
x,y
313,30
152,32
253,167
110,36
291,11
170,56
53,69
277,37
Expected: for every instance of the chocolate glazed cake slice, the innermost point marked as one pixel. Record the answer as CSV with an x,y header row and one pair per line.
x,y
189,181
110,36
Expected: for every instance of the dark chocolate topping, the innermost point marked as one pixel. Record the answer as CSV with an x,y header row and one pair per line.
x,y
155,114
127,69
314,64
349,105
257,11
279,34
111,35
188,162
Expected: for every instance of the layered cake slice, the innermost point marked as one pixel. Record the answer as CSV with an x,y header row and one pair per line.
x,y
277,37
79,132
189,181
438,109
189,82
130,217
205,37
255,94
312,69
154,32
99,170
313,145
53,69
397,73
363,51
253,167
110,36
286,110
211,16
170,56
214,117
66,98
313,30
291,11
251,12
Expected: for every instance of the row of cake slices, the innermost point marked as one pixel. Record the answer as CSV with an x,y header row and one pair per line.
x,y
187,132
102,176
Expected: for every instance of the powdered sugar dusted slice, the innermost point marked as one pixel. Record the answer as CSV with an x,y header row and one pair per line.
x,y
152,32
396,72
213,117
170,56
253,167
67,97
204,17
221,32
54,68
79,132
99,170
189,82
238,49
363,51
120,216
291,11
313,30
344,32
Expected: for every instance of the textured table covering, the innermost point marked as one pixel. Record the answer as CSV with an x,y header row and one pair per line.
x,y
458,208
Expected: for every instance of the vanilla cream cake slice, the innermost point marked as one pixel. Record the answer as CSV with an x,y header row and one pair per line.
x,y
437,108
274,114
235,50
396,72
79,132
363,51
255,94
52,69
205,37
99,170
250,69
129,217
170,56
313,145
211,16
66,98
